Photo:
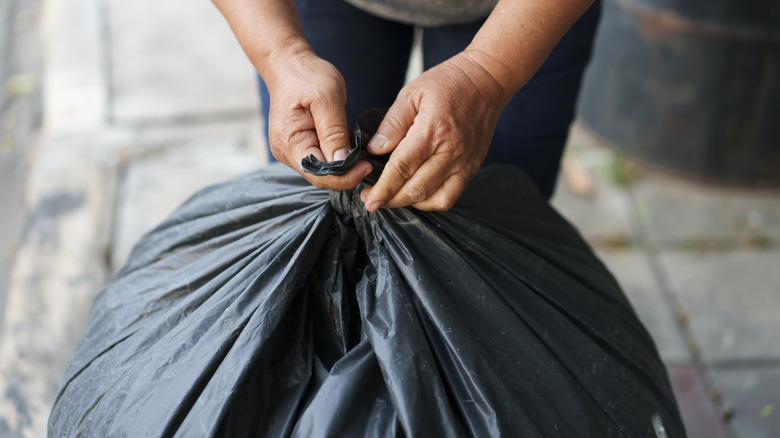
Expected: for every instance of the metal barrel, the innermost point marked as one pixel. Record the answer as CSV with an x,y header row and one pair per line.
x,y
690,85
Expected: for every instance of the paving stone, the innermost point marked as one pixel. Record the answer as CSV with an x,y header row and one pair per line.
x,y
75,95
686,214
754,396
698,412
732,300
12,182
602,217
176,59
134,142
157,184
60,266
632,270
20,116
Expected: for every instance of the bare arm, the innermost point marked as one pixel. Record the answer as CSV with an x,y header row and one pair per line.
x,y
266,29
519,35
437,142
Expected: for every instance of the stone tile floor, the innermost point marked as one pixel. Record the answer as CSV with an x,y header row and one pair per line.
x,y
700,264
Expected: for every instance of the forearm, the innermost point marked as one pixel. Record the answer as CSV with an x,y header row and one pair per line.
x,y
268,31
519,35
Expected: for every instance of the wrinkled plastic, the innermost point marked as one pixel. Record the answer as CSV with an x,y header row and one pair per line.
x,y
266,307
366,126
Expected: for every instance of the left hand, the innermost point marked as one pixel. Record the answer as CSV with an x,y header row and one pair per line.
x,y
438,130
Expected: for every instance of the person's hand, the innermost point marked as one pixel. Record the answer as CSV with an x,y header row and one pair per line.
x,y
438,130
307,116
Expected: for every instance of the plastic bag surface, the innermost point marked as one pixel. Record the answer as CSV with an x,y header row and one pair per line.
x,y
266,307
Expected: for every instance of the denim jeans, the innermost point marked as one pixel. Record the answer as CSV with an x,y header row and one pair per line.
x,y
373,53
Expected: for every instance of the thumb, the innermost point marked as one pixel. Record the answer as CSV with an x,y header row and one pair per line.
x,y
394,126
330,122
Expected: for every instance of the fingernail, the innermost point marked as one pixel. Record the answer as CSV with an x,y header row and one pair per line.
x,y
377,142
340,155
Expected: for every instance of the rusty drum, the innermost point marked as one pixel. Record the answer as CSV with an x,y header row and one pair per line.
x,y
690,85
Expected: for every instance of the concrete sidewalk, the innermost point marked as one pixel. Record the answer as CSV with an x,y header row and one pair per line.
x,y
145,102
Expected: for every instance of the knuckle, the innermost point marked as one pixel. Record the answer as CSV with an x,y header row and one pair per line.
x,y
414,193
400,115
415,151
295,138
333,135
441,129
330,91
404,169
287,131
391,125
442,203
392,122
470,170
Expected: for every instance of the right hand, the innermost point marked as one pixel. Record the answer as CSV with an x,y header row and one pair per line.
x,y
307,117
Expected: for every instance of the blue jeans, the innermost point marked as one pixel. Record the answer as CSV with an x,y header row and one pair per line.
x,y
373,53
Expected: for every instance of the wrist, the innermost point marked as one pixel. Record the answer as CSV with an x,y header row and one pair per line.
x,y
494,80
281,53
508,79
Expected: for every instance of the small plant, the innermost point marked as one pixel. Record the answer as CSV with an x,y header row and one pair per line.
x,y
622,171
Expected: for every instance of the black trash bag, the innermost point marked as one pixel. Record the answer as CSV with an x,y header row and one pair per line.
x,y
266,307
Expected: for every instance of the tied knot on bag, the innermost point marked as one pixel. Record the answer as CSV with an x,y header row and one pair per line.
x,y
348,202
365,127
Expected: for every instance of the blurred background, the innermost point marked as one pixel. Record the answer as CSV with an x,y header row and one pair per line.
x,y
113,113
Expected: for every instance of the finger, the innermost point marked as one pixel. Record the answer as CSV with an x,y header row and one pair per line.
x,y
403,163
447,194
292,136
302,141
364,194
330,124
345,182
426,181
303,144
394,127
